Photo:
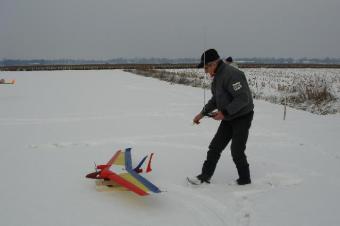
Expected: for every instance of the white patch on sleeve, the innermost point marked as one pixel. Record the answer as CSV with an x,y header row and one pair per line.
x,y
237,86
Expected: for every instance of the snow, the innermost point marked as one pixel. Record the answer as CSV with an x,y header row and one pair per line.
x,y
53,125
316,90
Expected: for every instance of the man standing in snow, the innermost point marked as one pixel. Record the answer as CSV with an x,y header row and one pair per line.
x,y
232,104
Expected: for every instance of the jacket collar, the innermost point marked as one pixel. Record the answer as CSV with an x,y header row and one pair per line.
x,y
219,67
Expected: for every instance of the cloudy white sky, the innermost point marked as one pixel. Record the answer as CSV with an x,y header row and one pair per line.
x,y
105,29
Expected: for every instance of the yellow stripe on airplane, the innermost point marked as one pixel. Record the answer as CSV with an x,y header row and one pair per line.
x,y
134,181
120,160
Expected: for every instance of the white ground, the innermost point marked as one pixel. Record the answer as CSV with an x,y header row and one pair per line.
x,y
53,125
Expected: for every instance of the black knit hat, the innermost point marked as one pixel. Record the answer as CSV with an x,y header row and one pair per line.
x,y
208,56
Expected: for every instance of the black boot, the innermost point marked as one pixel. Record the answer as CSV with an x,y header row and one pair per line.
x,y
244,176
204,178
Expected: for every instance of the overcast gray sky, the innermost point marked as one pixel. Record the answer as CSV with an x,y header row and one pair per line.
x,y
104,29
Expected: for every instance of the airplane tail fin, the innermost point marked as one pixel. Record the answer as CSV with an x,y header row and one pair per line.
x,y
138,167
148,168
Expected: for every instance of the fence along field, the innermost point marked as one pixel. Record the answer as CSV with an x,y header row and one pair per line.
x,y
310,89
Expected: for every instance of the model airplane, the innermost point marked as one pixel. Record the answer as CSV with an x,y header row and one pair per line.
x,y
118,173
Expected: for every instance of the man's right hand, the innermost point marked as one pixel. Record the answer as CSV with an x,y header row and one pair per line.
x,y
197,118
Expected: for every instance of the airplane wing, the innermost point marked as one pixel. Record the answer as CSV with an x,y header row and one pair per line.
x,y
128,178
117,159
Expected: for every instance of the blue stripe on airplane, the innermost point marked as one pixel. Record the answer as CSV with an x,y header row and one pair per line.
x,y
128,166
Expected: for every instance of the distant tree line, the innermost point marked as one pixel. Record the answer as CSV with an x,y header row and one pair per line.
x,y
304,60
255,60
19,62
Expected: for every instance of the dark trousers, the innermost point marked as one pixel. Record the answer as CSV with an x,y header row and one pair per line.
x,y
236,130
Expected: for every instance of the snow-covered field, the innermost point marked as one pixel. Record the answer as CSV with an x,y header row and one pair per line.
x,y
53,125
313,90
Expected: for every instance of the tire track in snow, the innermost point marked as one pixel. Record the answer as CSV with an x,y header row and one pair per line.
x,y
129,140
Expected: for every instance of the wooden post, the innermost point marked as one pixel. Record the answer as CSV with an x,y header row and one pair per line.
x,y
285,109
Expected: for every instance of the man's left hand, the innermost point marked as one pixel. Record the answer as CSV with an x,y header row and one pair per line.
x,y
218,115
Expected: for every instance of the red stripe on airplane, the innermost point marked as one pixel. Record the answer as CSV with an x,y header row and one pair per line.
x,y
125,183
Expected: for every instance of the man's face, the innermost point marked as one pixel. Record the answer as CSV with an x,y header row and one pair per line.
x,y
210,68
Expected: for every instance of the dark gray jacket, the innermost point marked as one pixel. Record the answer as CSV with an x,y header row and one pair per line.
x,y
230,93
